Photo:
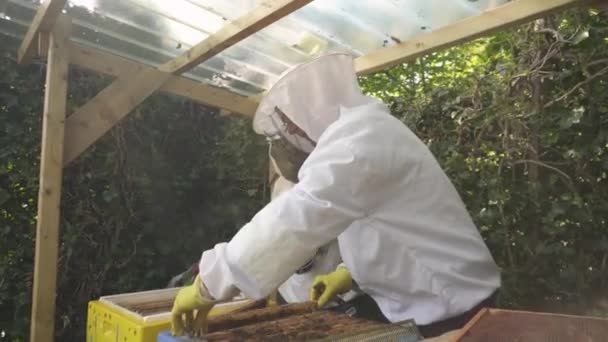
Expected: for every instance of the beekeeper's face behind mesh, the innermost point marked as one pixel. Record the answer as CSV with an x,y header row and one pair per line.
x,y
287,154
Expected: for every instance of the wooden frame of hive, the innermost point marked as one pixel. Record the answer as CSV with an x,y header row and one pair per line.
x,y
295,322
65,137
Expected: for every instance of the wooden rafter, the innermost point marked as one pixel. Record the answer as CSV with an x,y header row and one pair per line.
x,y
510,14
233,32
49,193
43,43
95,118
113,65
45,17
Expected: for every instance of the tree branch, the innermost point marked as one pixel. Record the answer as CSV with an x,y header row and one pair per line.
x,y
576,87
567,179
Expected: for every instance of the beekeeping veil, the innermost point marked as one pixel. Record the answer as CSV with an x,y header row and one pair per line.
x,y
310,95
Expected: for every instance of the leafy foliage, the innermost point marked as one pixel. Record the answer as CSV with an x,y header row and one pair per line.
x,y
518,120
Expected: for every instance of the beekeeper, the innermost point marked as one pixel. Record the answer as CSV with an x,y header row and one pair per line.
x,y
404,235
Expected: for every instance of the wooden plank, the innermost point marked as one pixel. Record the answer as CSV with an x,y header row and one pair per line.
x,y
45,17
113,103
445,337
463,331
525,326
107,108
43,43
49,193
265,14
510,14
113,65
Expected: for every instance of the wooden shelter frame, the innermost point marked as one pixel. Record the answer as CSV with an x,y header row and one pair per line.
x,y
67,135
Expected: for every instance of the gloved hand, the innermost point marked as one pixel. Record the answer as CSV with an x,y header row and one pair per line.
x,y
186,302
325,287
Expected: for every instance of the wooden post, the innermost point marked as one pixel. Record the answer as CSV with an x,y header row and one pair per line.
x,y
45,18
49,194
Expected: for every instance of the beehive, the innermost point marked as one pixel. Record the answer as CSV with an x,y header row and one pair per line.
x,y
141,316
295,322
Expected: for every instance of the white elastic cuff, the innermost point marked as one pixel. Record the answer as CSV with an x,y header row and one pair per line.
x,y
204,292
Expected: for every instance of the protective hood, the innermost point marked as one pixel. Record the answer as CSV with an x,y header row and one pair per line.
x,y
311,95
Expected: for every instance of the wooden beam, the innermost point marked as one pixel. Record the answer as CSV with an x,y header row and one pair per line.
x,y
97,116
49,193
45,17
113,65
510,14
265,14
112,104
43,43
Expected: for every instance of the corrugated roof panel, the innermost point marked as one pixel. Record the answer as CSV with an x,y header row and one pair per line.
x,y
155,31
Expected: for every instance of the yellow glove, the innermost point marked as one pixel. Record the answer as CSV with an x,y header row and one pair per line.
x,y
325,287
186,302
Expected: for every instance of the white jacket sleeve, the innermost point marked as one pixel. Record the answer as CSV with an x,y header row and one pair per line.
x,y
287,232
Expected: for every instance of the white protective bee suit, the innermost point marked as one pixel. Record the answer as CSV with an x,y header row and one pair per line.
x,y
296,289
402,229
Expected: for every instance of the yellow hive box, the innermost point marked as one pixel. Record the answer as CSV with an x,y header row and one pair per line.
x,y
139,316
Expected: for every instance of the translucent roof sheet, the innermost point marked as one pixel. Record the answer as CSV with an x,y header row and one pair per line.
x,y
155,31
